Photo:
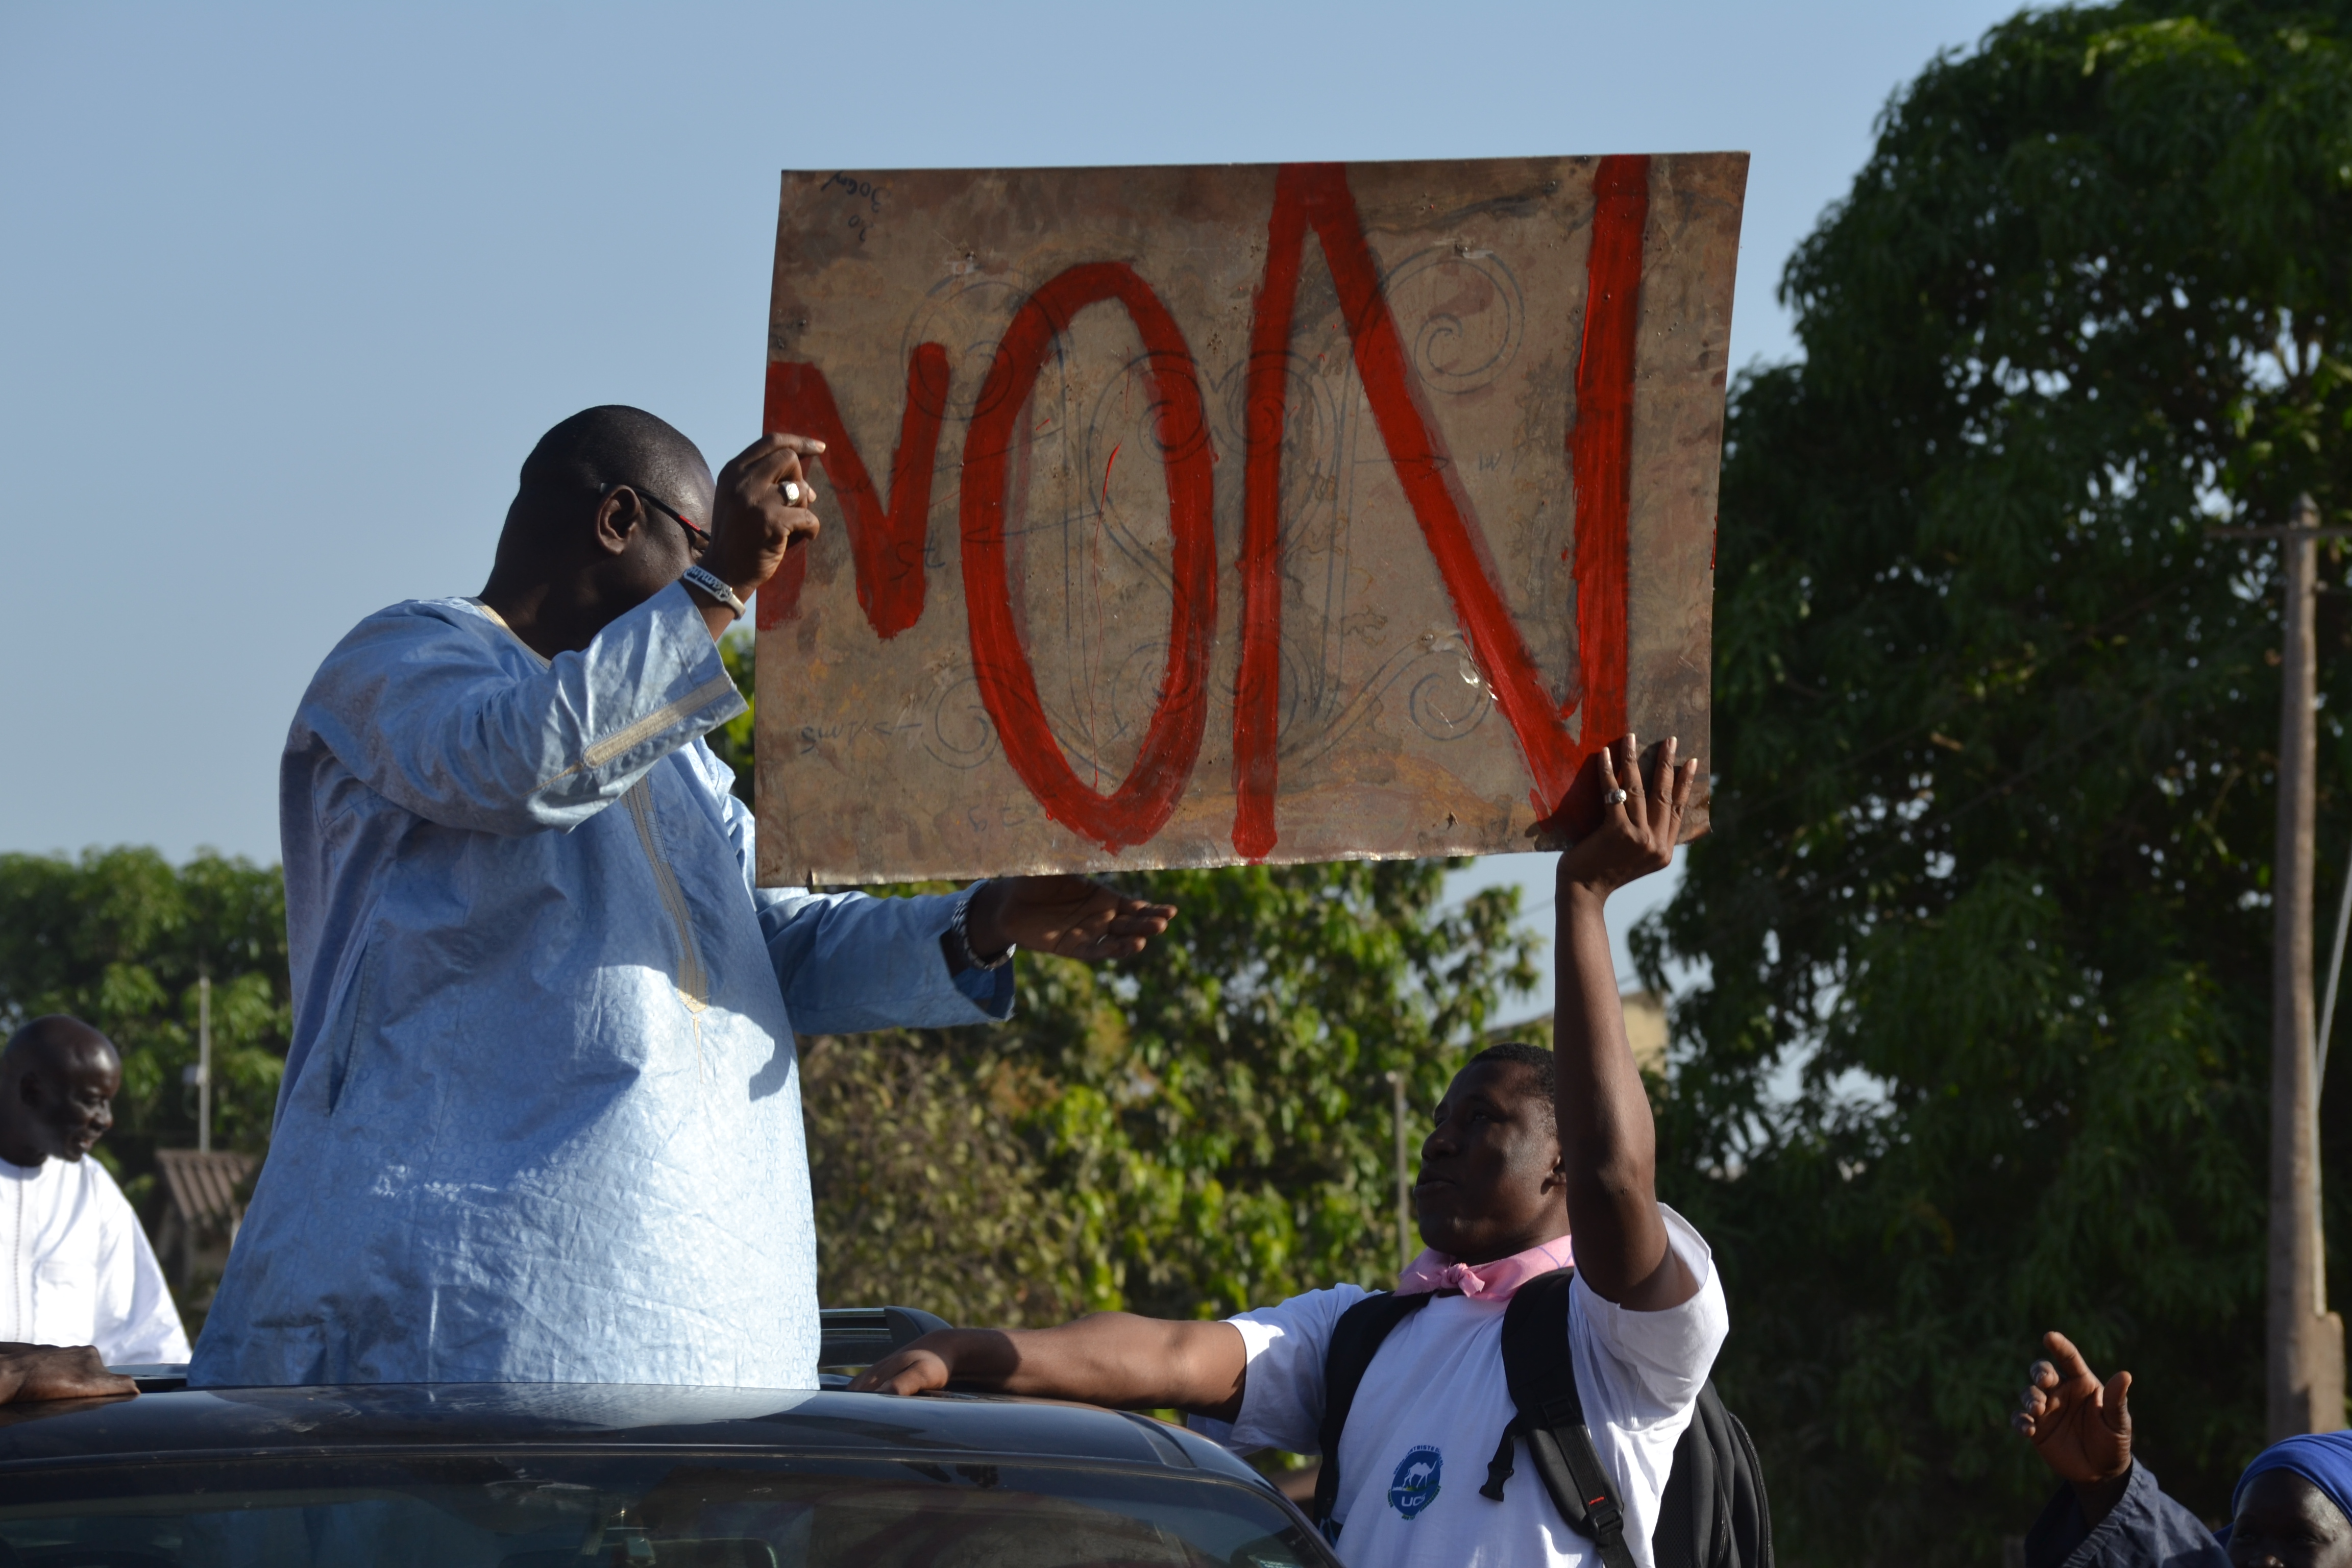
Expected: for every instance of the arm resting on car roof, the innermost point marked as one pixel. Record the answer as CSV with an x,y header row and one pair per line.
x,y
1116,1359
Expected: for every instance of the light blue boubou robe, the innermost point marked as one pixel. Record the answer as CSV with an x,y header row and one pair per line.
x,y
541,1116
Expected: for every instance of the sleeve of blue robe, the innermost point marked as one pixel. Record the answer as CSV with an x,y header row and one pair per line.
x,y
848,962
2146,1528
461,742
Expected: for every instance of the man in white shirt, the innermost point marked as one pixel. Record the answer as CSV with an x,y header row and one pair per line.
x,y
1519,1156
74,1268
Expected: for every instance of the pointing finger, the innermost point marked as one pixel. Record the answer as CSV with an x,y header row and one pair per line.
x,y
772,460
2068,1360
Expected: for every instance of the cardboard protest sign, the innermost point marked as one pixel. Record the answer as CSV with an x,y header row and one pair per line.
x,y
1189,516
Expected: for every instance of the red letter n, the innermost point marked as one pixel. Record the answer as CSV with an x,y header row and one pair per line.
x,y
1317,195
887,547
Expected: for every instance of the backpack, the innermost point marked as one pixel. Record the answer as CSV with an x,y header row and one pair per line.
x,y
1713,1513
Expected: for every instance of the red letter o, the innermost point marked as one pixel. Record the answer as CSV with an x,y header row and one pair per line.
x,y
1147,797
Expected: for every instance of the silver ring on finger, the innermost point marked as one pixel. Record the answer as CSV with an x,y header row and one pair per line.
x,y
792,492
1616,797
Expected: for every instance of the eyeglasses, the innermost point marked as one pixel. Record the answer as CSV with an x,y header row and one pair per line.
x,y
698,538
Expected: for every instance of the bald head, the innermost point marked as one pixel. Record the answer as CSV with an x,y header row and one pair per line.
x,y
579,460
56,1043
59,1077
614,506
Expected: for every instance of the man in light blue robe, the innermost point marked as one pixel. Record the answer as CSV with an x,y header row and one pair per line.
x,y
541,1119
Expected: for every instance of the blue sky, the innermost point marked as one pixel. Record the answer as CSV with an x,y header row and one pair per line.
x,y
289,290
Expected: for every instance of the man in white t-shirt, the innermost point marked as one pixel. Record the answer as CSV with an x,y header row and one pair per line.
x,y
1526,1146
74,1268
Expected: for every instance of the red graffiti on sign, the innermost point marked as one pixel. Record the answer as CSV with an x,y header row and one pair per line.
x,y
1600,441
889,547
1147,797
1317,196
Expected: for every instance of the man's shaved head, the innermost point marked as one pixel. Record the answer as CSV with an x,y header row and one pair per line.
x,y
57,1042
59,1077
613,507
609,445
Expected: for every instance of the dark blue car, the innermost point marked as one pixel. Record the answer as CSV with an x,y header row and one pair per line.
x,y
569,1476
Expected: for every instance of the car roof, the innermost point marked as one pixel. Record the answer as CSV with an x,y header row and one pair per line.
x,y
198,1424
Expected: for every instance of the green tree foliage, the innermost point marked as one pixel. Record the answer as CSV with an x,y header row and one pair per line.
x,y
1983,1047
119,939
731,741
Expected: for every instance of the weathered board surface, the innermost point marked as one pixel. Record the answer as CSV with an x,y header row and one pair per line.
x,y
1188,516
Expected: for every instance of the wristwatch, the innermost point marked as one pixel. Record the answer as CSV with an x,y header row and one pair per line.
x,y
709,583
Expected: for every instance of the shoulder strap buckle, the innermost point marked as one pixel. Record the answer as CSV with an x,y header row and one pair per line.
x,y
1499,1468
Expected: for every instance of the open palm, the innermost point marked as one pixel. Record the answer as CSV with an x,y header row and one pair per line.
x,y
1073,916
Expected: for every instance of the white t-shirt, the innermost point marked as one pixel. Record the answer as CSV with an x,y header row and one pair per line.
x,y
75,1269
1432,1405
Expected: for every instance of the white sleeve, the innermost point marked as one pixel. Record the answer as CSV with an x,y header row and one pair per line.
x,y
1282,1392
136,1322
1651,1363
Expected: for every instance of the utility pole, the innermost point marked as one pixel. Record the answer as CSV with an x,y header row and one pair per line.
x,y
1403,1184
204,1063
2304,1381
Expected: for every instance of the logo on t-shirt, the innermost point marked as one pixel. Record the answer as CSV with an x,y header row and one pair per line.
x,y
1415,1486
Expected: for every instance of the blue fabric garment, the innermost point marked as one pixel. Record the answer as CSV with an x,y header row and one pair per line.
x,y
2146,1528
2323,1458
541,1119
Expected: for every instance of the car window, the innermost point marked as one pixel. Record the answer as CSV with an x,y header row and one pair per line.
x,y
567,1510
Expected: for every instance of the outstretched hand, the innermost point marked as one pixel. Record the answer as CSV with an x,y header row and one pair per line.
x,y
2082,1430
29,1373
1637,834
1075,917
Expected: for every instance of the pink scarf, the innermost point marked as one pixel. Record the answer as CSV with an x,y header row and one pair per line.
x,y
1494,1281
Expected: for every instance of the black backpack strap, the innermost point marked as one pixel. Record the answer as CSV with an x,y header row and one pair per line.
x,y
1694,1523
1355,1340
1715,1514
1751,1509
1541,1376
